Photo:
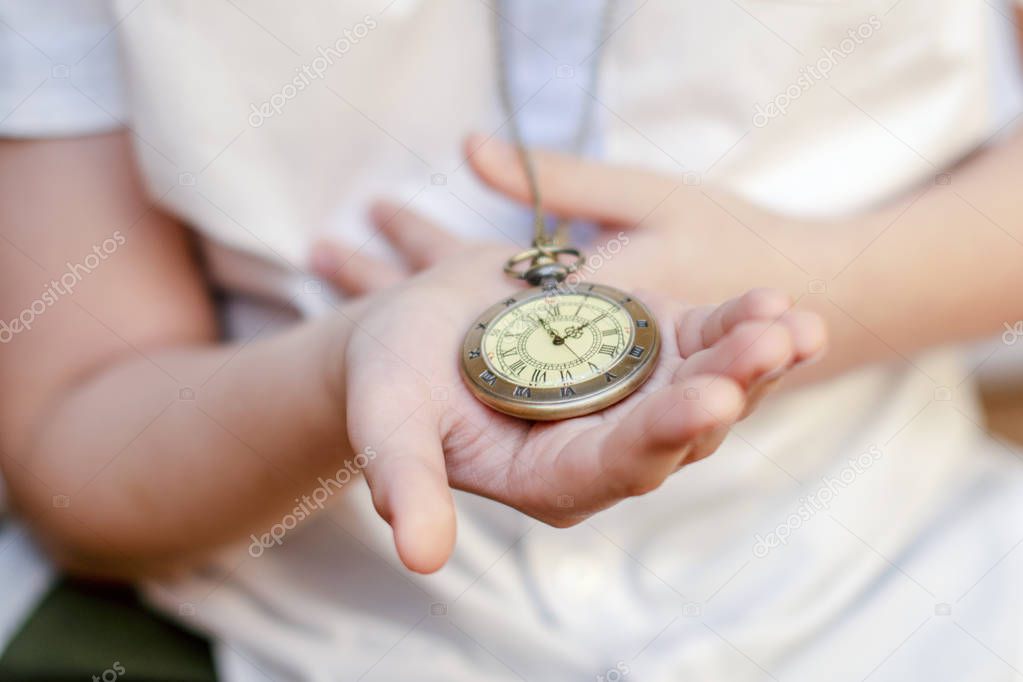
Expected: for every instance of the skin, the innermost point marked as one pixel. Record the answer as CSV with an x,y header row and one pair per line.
x,y
967,230
91,395
156,480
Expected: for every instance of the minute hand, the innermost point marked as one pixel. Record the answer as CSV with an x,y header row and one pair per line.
x,y
581,359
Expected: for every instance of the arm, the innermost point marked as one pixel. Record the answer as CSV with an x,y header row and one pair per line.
x,y
90,405
933,268
943,269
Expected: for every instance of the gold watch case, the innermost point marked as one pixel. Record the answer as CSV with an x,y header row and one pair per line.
x,y
548,403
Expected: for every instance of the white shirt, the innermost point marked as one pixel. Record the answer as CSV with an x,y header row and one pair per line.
x,y
861,529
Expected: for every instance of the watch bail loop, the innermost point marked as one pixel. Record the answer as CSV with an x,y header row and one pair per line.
x,y
545,263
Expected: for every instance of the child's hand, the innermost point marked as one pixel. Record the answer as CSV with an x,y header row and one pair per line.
x,y
406,400
685,238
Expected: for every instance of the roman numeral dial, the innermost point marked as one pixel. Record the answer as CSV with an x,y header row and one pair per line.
x,y
552,354
558,340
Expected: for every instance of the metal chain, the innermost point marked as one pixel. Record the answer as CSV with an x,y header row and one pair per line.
x,y
541,239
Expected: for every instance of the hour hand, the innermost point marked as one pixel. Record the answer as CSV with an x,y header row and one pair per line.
x,y
550,330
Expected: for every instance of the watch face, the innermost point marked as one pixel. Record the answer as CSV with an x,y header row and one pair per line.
x,y
552,354
548,341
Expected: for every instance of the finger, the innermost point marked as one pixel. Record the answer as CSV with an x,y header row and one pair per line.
x,y
637,453
572,187
703,326
666,427
706,446
350,271
408,482
758,392
809,341
419,242
749,353
809,335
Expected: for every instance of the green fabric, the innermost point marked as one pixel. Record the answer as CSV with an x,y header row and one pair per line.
x,y
81,630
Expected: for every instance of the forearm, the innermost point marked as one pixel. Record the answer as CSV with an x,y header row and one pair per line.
x,y
944,268
938,266
168,455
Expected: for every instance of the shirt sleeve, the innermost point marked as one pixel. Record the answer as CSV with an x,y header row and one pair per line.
x,y
61,74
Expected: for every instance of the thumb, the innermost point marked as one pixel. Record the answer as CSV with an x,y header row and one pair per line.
x,y
408,481
571,186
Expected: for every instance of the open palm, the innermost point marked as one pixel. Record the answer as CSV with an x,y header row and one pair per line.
x,y
407,402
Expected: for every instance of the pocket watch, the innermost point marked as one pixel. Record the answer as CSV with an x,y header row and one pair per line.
x,y
556,350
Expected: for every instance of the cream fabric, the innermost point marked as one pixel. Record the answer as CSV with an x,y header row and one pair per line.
x,y
909,571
